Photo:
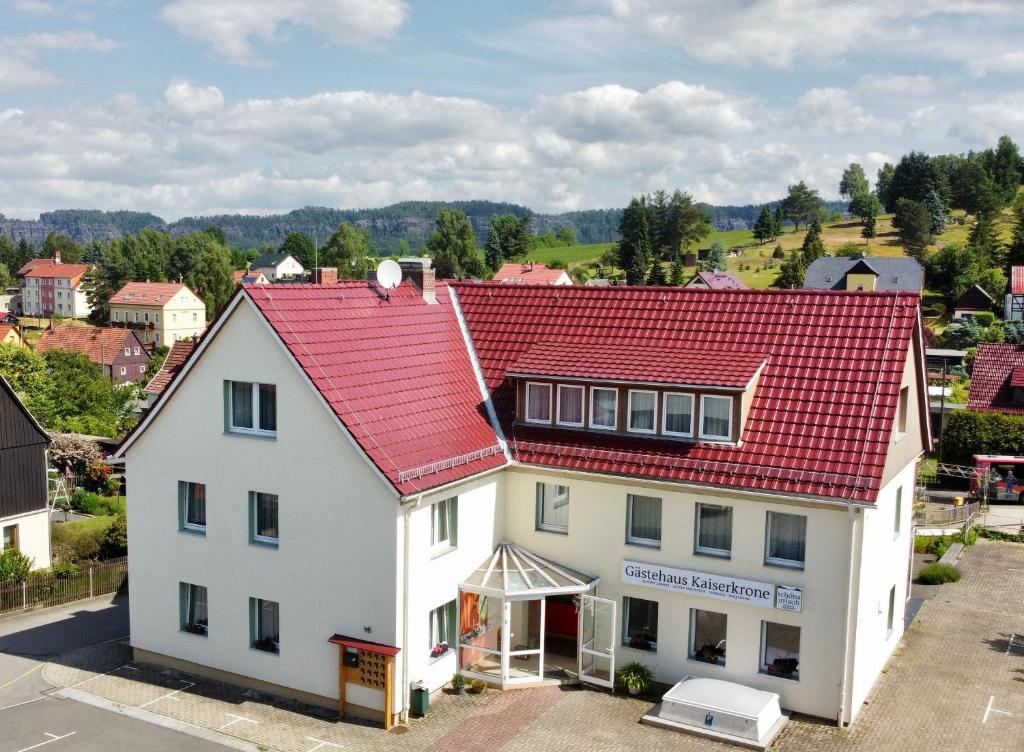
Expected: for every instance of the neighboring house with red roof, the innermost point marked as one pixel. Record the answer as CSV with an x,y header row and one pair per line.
x,y
176,357
716,280
247,277
530,273
50,287
10,334
1014,306
477,474
161,312
119,353
997,379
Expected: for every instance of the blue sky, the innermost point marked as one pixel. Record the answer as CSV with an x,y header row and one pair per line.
x,y
186,107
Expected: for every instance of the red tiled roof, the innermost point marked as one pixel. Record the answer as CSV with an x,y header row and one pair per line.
x,y
175,359
54,271
396,373
821,416
722,281
147,293
32,263
1017,280
101,345
995,366
636,363
519,273
5,329
1017,377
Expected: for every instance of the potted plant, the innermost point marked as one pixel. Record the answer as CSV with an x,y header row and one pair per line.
x,y
477,686
783,666
458,684
709,653
439,649
195,627
636,677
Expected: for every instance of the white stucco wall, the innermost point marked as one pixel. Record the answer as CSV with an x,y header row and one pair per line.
x,y
595,545
33,536
334,569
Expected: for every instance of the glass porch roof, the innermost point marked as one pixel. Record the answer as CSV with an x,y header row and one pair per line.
x,y
513,572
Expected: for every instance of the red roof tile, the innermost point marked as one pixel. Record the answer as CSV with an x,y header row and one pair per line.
x,y
1017,377
1017,280
396,373
519,273
5,329
101,345
52,270
722,280
32,263
175,359
992,378
636,363
822,413
147,293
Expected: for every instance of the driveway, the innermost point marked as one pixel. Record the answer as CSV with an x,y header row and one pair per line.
x,y
955,683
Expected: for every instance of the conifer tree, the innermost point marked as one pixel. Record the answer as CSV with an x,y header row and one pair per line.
x,y
780,220
813,247
937,212
1015,253
791,273
764,225
678,272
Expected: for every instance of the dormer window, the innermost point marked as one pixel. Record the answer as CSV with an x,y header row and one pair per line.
x,y
716,417
604,408
677,416
570,406
642,408
538,403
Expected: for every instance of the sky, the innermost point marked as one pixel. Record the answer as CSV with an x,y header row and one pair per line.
x,y
187,107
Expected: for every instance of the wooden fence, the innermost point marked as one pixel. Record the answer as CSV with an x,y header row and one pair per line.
x,y
98,578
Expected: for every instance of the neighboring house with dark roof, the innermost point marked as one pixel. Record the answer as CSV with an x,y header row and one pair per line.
x,y
691,471
530,273
275,266
1014,307
119,353
161,312
176,357
973,302
24,516
49,287
873,273
997,379
716,280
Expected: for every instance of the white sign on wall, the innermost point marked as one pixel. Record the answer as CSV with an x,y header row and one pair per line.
x,y
699,583
789,598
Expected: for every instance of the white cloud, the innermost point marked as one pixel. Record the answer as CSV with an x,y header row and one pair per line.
x,y
33,7
1007,62
230,26
982,123
20,67
896,86
184,99
834,110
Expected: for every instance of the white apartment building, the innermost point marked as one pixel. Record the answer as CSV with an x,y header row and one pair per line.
x,y
532,483
49,287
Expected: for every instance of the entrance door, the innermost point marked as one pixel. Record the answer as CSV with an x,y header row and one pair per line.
x,y
597,640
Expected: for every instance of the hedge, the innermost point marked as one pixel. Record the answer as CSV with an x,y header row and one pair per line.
x,y
937,574
969,433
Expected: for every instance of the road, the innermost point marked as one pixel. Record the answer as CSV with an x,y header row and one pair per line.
x,y
32,719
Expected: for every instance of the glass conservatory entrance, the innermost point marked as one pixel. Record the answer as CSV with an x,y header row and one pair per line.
x,y
503,621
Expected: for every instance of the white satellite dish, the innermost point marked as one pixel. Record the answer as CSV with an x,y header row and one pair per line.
x,y
389,274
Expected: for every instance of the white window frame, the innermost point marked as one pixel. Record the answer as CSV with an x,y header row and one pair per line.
x,y
255,430
190,592
128,351
692,647
777,562
902,410
526,411
549,526
136,350
593,403
664,413
558,405
700,550
712,437
450,507
124,370
184,523
442,619
764,650
897,523
629,412
624,637
637,541
254,534
890,619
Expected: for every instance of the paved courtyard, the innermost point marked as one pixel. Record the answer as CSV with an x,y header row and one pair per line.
x,y
956,683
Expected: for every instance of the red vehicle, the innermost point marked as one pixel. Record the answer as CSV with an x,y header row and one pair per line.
x,y
998,477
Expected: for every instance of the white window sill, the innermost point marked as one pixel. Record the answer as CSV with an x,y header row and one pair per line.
x,y
643,543
431,660
643,651
440,549
795,565
642,431
192,530
713,553
555,530
766,672
265,542
248,432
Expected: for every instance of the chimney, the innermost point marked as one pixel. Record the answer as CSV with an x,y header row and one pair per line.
x,y
417,270
56,256
325,275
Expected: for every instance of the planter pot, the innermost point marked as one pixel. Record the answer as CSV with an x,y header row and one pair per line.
x,y
633,690
460,690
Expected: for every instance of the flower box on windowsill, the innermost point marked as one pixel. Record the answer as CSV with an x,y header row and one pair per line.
x,y
439,650
783,667
266,645
194,627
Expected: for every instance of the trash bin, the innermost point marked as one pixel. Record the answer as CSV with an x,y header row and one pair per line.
x,y
958,501
420,700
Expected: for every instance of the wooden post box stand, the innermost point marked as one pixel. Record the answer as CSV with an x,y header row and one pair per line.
x,y
366,664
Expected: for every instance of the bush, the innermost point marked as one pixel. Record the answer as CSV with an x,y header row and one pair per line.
x,y
999,535
79,541
937,574
968,433
95,504
14,565
115,539
778,253
71,451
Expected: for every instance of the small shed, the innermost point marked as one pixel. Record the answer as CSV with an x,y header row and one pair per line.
x,y
973,302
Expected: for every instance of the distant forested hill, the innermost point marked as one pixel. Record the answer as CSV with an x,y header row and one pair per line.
x,y
411,221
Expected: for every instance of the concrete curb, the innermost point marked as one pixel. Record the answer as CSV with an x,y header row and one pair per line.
x,y
952,554
157,719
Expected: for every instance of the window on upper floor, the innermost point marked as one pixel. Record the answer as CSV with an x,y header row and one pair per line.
x,y
901,415
713,534
264,625
157,318
898,512
192,506
117,315
642,409
444,524
643,520
677,414
890,618
785,540
570,406
251,408
128,351
136,350
604,408
174,318
263,518
715,417
193,614
552,508
538,403
195,317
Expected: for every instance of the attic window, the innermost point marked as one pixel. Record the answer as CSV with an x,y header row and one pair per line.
x,y
895,278
129,295
828,277
538,403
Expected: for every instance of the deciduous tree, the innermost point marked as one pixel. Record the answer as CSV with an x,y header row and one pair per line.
x,y
801,204
300,247
853,182
452,245
348,249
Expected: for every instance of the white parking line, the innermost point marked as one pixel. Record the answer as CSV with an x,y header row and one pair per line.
x,y
170,695
105,673
53,738
321,744
990,709
236,719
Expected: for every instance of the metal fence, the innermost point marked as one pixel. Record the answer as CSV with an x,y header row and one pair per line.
x,y
931,516
99,578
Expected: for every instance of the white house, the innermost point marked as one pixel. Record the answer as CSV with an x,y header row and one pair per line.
x,y
50,287
469,480
276,266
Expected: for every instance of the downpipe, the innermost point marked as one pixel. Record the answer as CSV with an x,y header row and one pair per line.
x,y
407,510
852,513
